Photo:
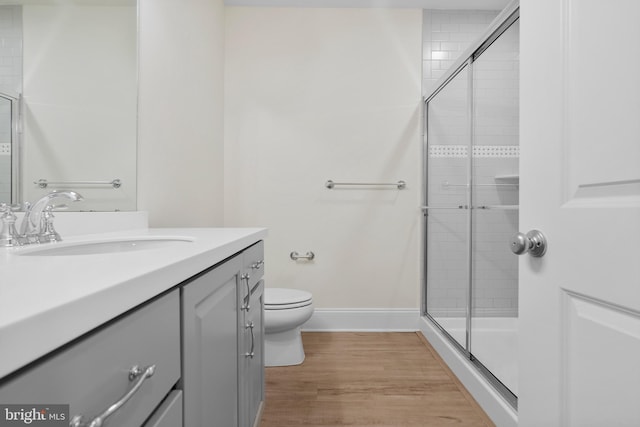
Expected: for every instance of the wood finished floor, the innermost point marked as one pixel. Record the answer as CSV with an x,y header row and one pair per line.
x,y
368,379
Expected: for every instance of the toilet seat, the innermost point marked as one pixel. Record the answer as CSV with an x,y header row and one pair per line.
x,y
285,299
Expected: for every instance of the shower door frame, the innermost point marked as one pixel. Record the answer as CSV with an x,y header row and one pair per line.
x,y
503,21
16,145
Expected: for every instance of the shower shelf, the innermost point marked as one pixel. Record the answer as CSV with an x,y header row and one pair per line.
x,y
513,179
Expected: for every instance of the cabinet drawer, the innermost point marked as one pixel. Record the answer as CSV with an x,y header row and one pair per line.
x,y
253,263
93,373
169,414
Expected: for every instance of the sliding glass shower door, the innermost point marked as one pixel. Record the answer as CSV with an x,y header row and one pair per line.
x,y
494,192
471,210
447,295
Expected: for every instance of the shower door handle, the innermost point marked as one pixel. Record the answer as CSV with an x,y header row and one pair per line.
x,y
534,243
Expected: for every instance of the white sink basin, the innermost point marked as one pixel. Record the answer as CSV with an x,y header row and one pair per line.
x,y
104,246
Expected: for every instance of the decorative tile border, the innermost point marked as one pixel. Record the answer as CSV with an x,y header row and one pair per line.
x,y
496,151
479,151
448,151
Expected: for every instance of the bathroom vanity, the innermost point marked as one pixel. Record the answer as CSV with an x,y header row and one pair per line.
x,y
172,330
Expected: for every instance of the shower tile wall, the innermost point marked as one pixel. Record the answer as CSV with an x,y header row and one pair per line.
x,y
11,83
446,34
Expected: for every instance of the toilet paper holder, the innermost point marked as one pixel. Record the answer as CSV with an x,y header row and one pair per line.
x,y
296,256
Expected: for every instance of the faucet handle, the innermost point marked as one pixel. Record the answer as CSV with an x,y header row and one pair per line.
x,y
8,234
47,232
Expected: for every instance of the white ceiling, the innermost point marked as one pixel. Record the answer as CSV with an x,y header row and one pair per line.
x,y
419,4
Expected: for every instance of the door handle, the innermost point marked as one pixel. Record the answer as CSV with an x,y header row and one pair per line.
x,y
534,243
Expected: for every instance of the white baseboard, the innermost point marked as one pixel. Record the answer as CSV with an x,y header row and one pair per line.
x,y
500,412
360,320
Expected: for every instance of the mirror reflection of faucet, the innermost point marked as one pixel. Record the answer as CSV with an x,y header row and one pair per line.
x,y
37,224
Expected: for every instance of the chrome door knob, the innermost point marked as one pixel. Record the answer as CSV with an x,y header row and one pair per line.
x,y
534,243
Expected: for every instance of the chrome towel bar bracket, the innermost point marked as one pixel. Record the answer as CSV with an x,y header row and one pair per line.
x,y
400,184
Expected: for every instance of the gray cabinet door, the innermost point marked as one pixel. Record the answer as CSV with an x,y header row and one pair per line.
x,y
251,358
255,369
210,363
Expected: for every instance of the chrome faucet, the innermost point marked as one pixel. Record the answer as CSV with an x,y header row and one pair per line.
x,y
37,224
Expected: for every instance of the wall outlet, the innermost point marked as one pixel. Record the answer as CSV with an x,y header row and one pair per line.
x,y
5,149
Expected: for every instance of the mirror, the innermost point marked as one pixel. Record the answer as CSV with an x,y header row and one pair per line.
x,y
68,101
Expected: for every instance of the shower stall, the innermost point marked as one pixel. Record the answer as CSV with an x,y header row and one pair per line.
x,y
471,161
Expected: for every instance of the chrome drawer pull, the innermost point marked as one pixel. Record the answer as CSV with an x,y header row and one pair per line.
x,y
257,265
246,278
253,341
134,372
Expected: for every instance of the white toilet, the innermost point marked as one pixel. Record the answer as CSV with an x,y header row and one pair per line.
x,y
285,310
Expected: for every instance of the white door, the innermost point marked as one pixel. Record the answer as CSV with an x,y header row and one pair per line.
x,y
580,185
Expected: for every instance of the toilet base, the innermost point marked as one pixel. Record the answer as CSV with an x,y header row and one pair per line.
x,y
283,348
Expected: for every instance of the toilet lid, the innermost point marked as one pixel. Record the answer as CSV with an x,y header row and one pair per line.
x,y
277,297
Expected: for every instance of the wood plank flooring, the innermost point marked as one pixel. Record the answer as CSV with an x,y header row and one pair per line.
x,y
368,379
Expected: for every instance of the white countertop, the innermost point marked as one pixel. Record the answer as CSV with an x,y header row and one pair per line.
x,y
47,301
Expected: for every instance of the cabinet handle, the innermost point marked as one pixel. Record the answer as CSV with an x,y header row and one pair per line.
x,y
134,372
246,278
257,265
253,340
